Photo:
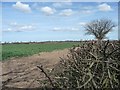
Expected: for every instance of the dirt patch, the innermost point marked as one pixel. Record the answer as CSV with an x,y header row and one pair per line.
x,y
23,71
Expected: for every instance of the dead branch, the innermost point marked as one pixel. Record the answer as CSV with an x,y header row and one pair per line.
x,y
43,71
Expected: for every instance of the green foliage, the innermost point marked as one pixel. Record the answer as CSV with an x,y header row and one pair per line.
x,y
20,50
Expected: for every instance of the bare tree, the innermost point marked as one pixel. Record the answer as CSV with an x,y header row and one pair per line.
x,y
99,28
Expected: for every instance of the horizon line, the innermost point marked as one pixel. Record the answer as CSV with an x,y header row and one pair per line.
x,y
54,41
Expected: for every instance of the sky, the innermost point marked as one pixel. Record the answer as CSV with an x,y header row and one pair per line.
x,y
54,21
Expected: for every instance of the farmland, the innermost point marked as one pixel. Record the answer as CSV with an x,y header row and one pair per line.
x,y
20,50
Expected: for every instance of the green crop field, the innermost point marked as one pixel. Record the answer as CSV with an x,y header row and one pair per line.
x,y
20,50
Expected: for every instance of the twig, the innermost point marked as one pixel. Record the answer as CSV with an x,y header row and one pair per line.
x,y
109,75
43,71
114,68
6,82
6,73
94,84
112,52
86,82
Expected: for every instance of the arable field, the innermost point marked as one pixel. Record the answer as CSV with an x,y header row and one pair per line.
x,y
23,72
20,50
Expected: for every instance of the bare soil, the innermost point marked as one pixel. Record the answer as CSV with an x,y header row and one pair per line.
x,y
23,72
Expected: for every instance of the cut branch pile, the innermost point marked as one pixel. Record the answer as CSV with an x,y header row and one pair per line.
x,y
92,66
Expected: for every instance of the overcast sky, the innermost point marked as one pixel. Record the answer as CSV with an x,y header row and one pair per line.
x,y
44,21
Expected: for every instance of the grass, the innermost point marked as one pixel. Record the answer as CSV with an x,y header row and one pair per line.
x,y
20,50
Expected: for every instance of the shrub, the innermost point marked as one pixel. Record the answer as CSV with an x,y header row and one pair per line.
x,y
91,65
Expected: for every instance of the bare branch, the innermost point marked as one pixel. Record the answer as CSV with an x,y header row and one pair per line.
x,y
43,71
99,28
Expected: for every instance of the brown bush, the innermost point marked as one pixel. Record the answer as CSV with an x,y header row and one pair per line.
x,y
92,66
